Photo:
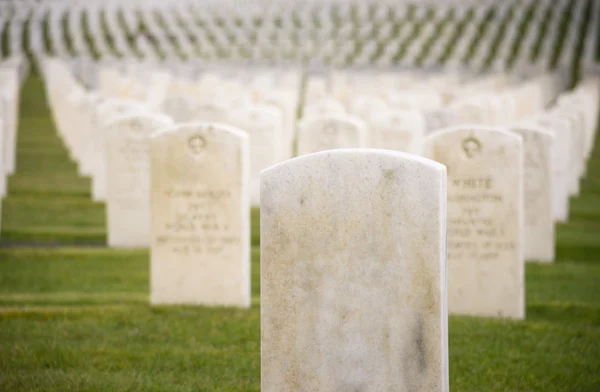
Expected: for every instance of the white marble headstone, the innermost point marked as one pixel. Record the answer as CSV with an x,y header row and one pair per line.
x,y
399,130
128,178
539,222
485,219
200,247
353,273
331,132
264,125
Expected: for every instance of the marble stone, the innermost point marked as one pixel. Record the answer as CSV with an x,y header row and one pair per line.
x,y
200,247
561,162
399,130
323,108
264,124
9,88
539,222
106,112
330,132
485,219
128,178
353,276
186,108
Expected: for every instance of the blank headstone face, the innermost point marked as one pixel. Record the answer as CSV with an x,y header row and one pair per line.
x,y
264,125
399,130
200,249
353,298
485,219
128,178
328,133
539,223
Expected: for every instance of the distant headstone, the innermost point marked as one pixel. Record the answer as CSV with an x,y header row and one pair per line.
x,y
331,132
562,166
264,125
200,249
106,112
485,219
353,273
323,108
399,130
539,222
128,178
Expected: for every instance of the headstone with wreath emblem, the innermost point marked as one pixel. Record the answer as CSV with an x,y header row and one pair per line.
x,y
200,246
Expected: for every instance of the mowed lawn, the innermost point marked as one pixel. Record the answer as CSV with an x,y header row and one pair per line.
x,y
77,317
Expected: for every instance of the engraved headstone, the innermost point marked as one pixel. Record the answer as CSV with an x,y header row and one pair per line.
x,y
106,112
186,108
485,219
200,249
128,178
353,298
323,108
264,125
539,223
399,130
331,132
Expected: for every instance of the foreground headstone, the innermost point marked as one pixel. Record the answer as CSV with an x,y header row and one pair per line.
x,y
353,273
331,132
200,249
539,222
485,219
128,178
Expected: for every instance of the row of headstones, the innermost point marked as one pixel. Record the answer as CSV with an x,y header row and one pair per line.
x,y
10,83
173,28
266,108
400,130
571,122
347,235
79,115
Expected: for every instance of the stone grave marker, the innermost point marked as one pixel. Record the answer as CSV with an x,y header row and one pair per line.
x,y
399,130
106,112
539,222
331,132
200,248
323,108
485,219
264,125
562,166
128,178
353,298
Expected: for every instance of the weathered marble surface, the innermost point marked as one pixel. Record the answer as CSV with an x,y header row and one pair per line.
x,y
539,222
353,261
200,246
128,178
485,219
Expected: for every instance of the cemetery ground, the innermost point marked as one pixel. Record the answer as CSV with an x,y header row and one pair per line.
x,y
74,315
